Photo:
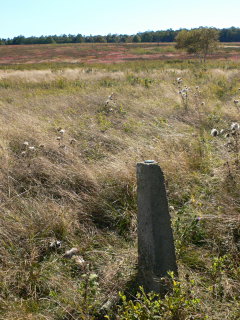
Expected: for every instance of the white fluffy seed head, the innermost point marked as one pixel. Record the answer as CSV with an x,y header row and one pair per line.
x,y
55,244
71,252
214,132
235,126
111,96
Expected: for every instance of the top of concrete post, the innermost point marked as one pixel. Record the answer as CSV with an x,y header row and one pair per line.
x,y
149,162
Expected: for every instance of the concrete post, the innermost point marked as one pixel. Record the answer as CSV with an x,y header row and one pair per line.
x,y
156,253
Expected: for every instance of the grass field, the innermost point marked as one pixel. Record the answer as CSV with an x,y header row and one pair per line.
x,y
103,53
70,137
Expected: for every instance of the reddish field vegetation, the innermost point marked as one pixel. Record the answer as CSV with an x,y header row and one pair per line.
x,y
103,53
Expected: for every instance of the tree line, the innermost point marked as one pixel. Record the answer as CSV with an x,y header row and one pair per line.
x,y
225,35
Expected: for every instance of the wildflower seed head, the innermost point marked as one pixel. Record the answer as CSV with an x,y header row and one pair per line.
x,y
55,244
79,260
73,141
111,96
235,126
72,252
214,132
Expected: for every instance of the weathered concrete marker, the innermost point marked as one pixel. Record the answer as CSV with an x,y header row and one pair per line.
x,y
156,253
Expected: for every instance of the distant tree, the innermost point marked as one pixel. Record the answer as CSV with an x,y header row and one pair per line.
x,y
147,37
78,39
18,40
124,38
168,35
49,40
186,39
99,39
136,38
111,38
89,39
230,35
201,41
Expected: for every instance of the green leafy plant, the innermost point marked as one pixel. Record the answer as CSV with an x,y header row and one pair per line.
x,y
176,305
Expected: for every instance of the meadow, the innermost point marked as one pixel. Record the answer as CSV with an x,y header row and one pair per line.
x,y
92,53
71,132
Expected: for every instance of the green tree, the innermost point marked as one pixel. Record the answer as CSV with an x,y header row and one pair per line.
x,y
111,38
147,37
18,40
78,38
201,41
99,39
136,38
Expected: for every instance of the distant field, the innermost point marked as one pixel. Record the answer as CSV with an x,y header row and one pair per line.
x,y
103,53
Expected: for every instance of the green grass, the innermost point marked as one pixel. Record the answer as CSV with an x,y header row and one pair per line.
x,y
153,50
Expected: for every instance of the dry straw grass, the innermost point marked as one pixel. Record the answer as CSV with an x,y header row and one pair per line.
x,y
78,186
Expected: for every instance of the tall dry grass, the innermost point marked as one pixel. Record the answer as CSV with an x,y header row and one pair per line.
x,y
79,187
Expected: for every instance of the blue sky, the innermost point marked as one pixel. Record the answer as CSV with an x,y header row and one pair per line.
x,y
48,17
